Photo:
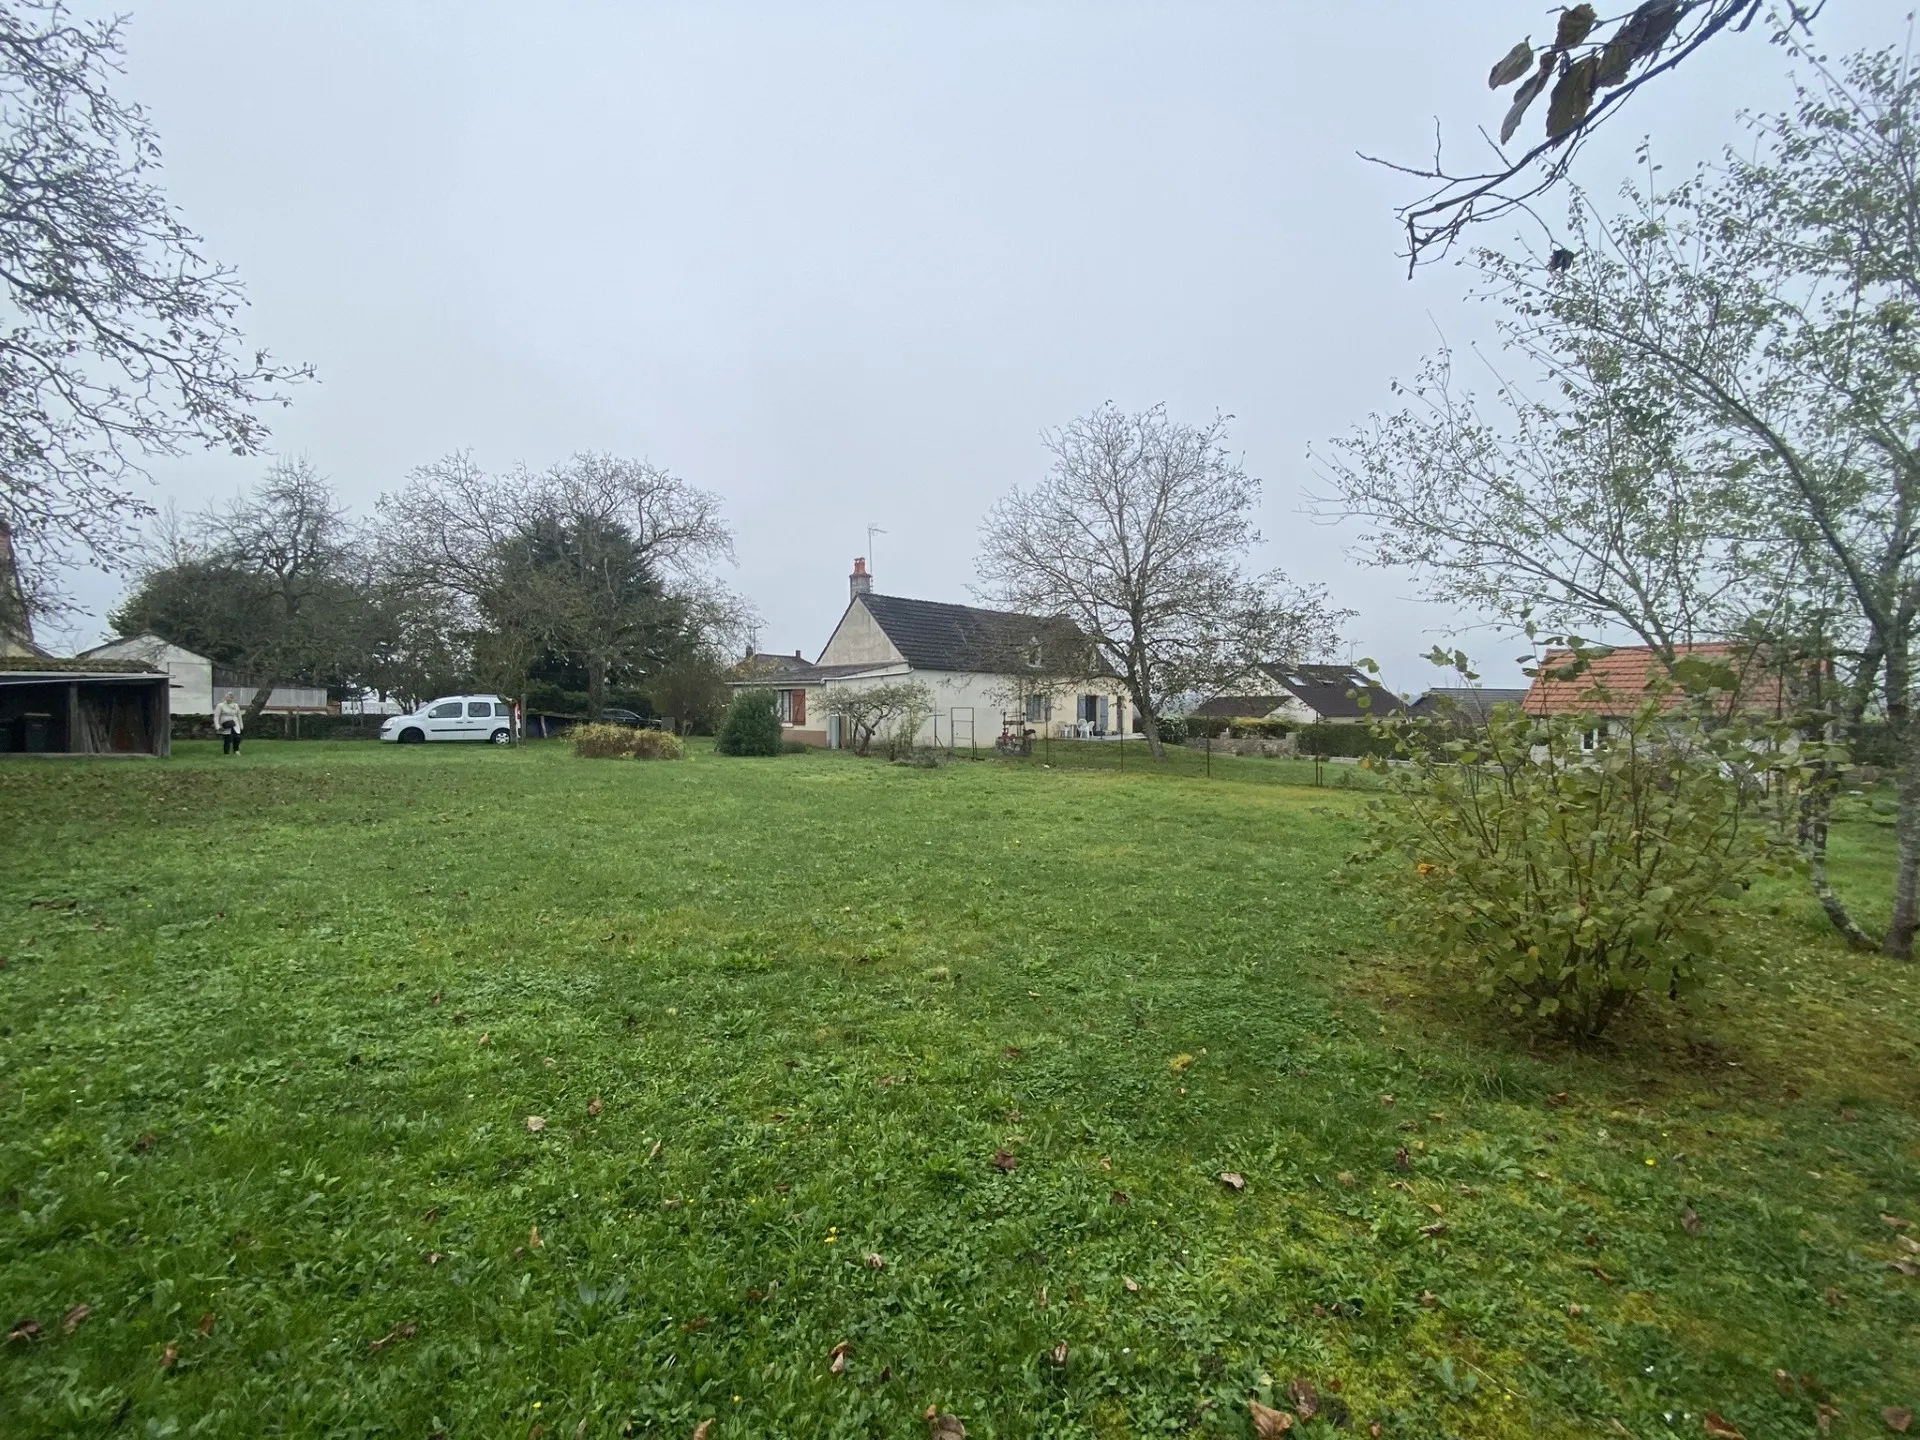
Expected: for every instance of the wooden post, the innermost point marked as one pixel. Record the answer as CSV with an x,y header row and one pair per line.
x,y
73,717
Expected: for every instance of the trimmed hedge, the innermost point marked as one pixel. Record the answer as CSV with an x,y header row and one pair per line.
x,y
1342,741
1240,727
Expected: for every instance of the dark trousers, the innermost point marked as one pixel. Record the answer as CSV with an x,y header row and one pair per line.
x,y
229,742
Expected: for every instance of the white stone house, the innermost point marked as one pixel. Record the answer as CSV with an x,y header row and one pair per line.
x,y
987,670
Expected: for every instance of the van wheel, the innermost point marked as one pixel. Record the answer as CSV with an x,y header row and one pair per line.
x,y
412,736
503,736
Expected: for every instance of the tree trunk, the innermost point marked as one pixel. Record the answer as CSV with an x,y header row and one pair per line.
x,y
1149,721
250,722
1815,807
1906,877
596,687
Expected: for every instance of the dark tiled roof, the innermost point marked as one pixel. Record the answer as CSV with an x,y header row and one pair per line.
x,y
1333,691
763,666
1467,702
1238,707
53,665
934,636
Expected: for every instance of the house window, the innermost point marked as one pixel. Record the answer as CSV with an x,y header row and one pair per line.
x,y
1039,709
783,705
1590,739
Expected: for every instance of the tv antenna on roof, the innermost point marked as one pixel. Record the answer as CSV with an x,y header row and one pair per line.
x,y
872,530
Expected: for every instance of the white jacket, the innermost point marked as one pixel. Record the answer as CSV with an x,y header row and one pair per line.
x,y
228,713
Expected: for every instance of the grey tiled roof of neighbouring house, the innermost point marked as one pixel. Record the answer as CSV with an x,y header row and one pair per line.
x,y
936,636
1472,703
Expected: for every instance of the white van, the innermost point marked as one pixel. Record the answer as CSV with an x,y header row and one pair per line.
x,y
453,717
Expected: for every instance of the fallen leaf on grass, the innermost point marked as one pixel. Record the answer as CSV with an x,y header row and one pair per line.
x,y
1003,1161
703,1430
1720,1428
74,1317
1233,1180
206,1323
593,1106
1133,1285
840,1353
169,1356
1576,1310
1268,1422
1895,1221
1834,1298
1060,1353
1119,1197
1429,1299
1602,1275
1180,1064
944,1427
145,1143
1557,1100
394,1336
24,1330
485,1037
1345,1177
1439,1227
654,1153
696,1324
1306,1400
534,1242
1106,1163
536,1123
1899,1419
434,1257
1400,1160
876,1262
1823,1418
1690,1221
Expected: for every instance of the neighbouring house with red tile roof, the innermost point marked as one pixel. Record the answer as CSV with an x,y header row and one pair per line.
x,y
1615,683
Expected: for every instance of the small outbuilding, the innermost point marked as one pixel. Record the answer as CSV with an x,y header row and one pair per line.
x,y
50,706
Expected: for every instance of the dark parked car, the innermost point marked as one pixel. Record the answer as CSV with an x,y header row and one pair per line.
x,y
615,716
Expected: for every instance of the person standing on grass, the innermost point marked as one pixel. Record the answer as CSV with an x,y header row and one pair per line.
x,y
229,720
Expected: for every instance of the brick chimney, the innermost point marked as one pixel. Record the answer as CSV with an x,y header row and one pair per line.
x,y
860,582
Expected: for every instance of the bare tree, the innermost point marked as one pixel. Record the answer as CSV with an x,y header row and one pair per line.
x,y
121,339
276,581
892,708
1764,314
1601,511
606,558
1593,70
1137,537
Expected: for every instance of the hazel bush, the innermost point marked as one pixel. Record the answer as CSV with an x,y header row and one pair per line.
x,y
1568,866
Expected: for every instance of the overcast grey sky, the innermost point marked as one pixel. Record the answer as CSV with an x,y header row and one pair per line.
x,y
842,263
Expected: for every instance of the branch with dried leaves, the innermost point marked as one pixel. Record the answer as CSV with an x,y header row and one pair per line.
x,y
1592,71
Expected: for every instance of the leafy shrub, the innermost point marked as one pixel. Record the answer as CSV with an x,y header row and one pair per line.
x,y
617,742
1346,741
752,726
1569,880
1204,727
1173,729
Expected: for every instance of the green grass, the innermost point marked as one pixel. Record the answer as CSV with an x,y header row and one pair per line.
x,y
271,1028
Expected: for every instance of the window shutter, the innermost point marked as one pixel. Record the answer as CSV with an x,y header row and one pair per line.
x,y
799,707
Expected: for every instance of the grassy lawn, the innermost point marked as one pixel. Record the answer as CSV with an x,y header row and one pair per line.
x,y
272,1029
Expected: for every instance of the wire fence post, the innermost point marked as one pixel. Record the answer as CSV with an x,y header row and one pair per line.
x,y
1209,757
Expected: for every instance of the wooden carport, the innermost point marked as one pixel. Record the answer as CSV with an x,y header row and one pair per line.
x,y
83,707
